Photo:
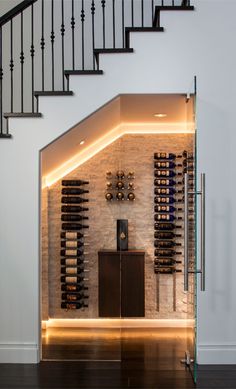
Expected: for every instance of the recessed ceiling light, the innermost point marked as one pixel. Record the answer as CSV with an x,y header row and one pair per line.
x,y
160,115
82,142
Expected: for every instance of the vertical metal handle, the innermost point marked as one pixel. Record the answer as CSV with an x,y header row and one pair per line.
x,y
186,230
203,213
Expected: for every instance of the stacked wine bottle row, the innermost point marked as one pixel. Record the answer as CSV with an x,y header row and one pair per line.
x,y
73,244
169,170
120,186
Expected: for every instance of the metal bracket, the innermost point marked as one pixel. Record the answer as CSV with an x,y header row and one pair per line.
x,y
187,361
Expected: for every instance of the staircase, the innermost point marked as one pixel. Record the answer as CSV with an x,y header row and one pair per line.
x,y
44,43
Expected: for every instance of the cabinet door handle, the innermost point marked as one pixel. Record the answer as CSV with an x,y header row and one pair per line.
x,y
186,234
203,232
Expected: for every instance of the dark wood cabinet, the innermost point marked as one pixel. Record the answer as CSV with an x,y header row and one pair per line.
x,y
121,283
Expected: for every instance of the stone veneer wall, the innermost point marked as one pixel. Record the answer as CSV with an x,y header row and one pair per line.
x,y
130,152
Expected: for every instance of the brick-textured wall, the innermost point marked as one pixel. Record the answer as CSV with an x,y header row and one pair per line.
x,y
130,152
44,254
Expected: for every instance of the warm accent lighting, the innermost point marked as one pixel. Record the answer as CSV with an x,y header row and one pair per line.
x,y
160,115
82,142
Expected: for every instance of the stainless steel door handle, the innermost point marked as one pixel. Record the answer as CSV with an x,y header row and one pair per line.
x,y
203,232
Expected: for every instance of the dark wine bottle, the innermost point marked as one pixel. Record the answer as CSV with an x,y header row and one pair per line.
x,y
165,191
164,182
166,217
73,287
109,196
120,174
73,270
131,196
73,226
187,155
73,200
74,182
165,261
71,252
109,185
166,165
164,200
188,164
69,306
165,244
71,235
166,252
72,261
71,244
166,226
120,196
73,191
73,279
73,208
120,185
73,218
166,208
130,175
165,270
168,156
74,296
130,186
166,235
166,173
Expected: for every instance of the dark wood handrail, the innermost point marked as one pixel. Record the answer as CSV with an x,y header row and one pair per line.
x,y
15,11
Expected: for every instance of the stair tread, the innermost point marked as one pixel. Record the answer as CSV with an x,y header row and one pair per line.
x,y
53,93
83,72
144,29
108,51
174,8
5,136
22,115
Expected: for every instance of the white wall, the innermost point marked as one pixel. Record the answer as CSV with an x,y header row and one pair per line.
x,y
201,43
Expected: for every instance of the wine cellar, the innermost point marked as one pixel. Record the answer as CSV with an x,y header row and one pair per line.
x,y
92,269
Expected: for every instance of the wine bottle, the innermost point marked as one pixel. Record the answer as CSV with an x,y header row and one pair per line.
x,y
166,235
166,165
130,186
167,208
73,287
166,226
73,200
73,208
73,226
131,196
165,191
73,191
73,270
166,217
120,196
165,244
73,279
120,185
73,218
69,306
72,261
188,164
108,196
109,174
74,182
72,244
130,175
164,182
187,155
120,174
166,270
109,185
166,253
74,296
165,261
169,156
71,235
166,173
71,253
164,200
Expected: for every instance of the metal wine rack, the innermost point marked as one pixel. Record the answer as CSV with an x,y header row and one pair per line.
x,y
120,186
169,170
73,241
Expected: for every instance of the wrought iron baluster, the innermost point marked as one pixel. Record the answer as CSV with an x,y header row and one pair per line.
x,y
152,12
82,15
132,12
123,23
62,44
1,80
103,2
114,23
73,33
93,44
32,52
11,65
22,59
52,43
42,43
142,13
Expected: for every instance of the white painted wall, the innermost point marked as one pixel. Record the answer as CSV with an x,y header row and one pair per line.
x,y
201,43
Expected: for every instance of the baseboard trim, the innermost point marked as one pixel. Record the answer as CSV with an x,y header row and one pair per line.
x,y
216,354
117,323
19,353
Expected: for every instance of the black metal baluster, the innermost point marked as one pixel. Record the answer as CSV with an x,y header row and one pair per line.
x,y
11,63
73,34
123,23
162,2
104,22
152,12
132,12
42,43
22,58
62,44
173,3
82,15
142,12
32,51
93,13
114,23
52,43
1,79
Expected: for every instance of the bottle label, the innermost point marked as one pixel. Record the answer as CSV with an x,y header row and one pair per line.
x,y
71,243
71,288
163,200
71,270
71,235
71,261
71,252
71,297
71,279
